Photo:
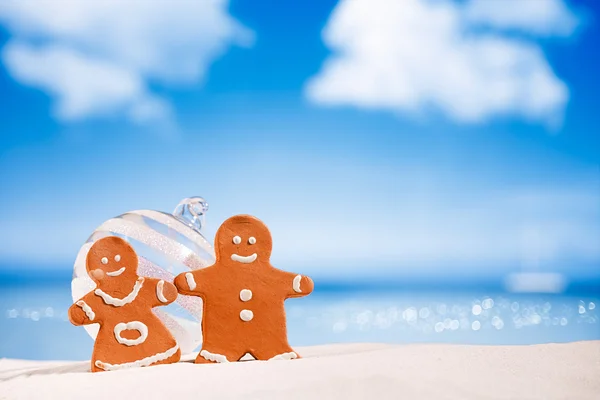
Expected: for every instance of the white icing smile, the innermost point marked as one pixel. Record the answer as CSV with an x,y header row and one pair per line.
x,y
117,272
244,259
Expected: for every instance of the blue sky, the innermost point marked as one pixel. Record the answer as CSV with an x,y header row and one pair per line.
x,y
374,138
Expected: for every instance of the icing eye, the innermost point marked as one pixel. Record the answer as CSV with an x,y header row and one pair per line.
x,y
118,258
237,240
252,240
104,260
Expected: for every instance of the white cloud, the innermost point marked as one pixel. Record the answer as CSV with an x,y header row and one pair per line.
x,y
102,57
82,86
538,17
414,55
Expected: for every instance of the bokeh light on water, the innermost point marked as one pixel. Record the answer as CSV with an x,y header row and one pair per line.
x,y
452,317
34,323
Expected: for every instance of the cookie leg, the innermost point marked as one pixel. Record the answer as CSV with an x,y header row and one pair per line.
x,y
276,353
94,367
207,356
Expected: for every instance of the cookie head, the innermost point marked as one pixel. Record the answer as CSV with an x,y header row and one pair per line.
x,y
243,240
111,258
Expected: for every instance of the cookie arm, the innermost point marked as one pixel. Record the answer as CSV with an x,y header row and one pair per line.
x,y
163,292
82,312
294,285
192,283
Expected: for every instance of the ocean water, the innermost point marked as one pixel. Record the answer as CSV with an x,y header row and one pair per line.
x,y
34,324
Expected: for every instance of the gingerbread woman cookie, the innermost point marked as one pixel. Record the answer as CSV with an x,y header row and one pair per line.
x,y
130,334
243,295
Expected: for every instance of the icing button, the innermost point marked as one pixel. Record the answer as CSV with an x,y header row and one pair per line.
x,y
245,294
246,315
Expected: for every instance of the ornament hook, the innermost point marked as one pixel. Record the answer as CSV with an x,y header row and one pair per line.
x,y
191,211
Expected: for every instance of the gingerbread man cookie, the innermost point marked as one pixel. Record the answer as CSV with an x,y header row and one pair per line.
x,y
243,295
130,334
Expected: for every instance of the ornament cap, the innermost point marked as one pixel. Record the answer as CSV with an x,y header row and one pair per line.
x,y
191,211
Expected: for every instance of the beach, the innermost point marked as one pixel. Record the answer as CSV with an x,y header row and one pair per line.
x,y
348,371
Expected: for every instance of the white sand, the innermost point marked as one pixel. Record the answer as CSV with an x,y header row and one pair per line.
x,y
354,371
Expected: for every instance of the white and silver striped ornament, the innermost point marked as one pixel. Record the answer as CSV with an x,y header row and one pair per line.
x,y
166,245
